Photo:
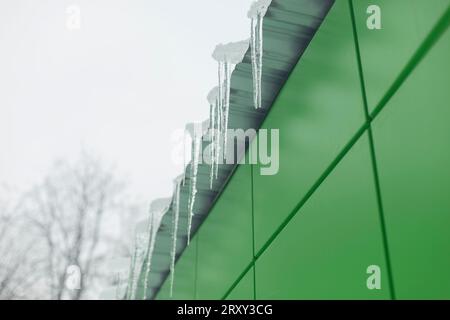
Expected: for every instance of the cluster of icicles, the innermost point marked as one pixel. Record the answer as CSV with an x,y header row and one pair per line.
x,y
215,129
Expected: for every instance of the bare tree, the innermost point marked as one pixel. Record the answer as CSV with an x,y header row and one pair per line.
x,y
18,264
76,214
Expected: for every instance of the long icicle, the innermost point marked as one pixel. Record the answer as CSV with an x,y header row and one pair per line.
x,y
193,185
227,56
131,275
174,234
135,263
259,55
212,100
212,145
184,157
218,136
149,252
190,128
256,14
200,130
220,116
254,65
226,102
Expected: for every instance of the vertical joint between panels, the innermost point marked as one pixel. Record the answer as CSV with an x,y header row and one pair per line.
x,y
253,231
368,120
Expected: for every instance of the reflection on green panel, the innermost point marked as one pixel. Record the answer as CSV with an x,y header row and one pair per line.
x,y
324,252
318,110
385,52
225,238
413,152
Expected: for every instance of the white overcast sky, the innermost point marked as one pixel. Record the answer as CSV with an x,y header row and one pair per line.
x,y
120,86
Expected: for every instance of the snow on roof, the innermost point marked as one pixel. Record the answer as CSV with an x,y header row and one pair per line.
x,y
212,95
258,8
159,207
232,52
193,128
160,204
178,179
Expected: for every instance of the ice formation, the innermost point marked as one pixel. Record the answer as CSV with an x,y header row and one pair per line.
x,y
176,214
213,99
190,128
256,13
197,131
158,209
227,56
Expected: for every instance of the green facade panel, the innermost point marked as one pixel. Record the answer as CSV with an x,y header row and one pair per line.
x,y
385,52
325,250
184,284
318,110
185,273
413,152
225,238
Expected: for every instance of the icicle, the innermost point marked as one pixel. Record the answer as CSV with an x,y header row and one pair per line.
x,y
254,64
176,215
218,136
131,274
259,54
149,255
213,102
226,102
200,129
227,56
220,113
256,14
190,128
193,192
212,116
184,157
158,209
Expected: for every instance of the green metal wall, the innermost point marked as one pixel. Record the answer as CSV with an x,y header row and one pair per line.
x,y
364,123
